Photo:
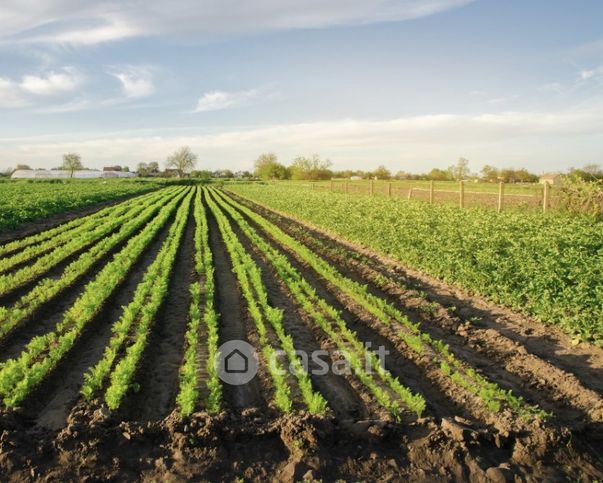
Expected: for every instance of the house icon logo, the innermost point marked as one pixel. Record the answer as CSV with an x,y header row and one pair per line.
x,y
236,362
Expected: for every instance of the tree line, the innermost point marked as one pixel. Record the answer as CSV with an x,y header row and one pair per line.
x,y
267,167
314,168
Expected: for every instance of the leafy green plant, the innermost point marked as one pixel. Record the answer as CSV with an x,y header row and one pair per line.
x,y
546,266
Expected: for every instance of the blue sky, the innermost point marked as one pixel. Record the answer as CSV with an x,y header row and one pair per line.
x,y
411,84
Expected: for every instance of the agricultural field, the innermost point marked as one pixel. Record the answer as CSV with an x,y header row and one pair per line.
x,y
516,196
114,329
25,201
546,266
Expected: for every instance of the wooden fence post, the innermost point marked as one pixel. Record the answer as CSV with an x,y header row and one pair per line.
x,y
410,193
545,200
372,187
389,189
331,185
462,194
501,194
431,192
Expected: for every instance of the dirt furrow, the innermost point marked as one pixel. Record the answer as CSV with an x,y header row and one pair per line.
x,y
398,363
506,361
50,313
51,403
584,361
35,227
157,377
232,316
338,392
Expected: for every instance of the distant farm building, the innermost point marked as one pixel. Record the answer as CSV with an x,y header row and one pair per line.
x,y
62,174
355,178
550,178
112,168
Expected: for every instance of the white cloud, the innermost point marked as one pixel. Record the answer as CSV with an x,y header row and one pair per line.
x,y
32,87
587,76
52,83
86,22
136,82
538,140
220,100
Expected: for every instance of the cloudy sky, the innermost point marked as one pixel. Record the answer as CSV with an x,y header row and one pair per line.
x,y
411,84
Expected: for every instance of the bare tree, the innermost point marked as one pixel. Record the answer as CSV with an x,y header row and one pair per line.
x,y
183,161
460,170
71,162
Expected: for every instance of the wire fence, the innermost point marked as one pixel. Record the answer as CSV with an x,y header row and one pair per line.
x,y
465,194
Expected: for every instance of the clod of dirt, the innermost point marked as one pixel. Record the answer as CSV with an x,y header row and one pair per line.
x,y
458,431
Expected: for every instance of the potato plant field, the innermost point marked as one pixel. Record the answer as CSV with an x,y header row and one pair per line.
x,y
116,330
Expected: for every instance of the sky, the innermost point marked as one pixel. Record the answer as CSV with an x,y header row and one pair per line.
x,y
409,84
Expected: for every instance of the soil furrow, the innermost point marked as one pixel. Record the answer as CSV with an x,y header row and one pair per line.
x,y
232,316
548,343
51,402
340,395
51,312
35,227
158,374
506,362
438,404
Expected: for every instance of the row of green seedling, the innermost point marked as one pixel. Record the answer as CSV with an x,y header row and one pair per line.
x,y
57,232
489,392
53,242
251,280
157,278
389,392
202,291
19,376
48,288
12,281
244,271
142,305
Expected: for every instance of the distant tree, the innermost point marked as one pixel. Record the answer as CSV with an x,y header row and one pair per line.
x,y
227,173
72,162
203,174
402,175
125,169
489,173
524,176
267,167
142,169
382,173
22,166
593,170
183,161
460,170
312,168
437,174
590,172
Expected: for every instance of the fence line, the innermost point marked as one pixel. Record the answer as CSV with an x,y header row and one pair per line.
x,y
462,197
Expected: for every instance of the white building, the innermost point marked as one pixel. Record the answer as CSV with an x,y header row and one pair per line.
x,y
62,174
